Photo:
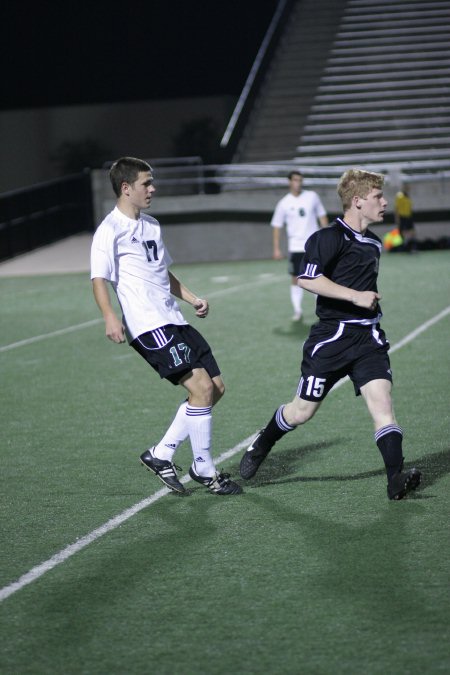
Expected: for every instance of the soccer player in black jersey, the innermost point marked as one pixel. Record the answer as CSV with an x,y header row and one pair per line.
x,y
341,266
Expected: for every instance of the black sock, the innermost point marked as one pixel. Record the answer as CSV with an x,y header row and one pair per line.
x,y
389,441
276,429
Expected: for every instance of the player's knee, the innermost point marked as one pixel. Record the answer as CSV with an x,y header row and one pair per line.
x,y
205,389
301,418
299,411
218,391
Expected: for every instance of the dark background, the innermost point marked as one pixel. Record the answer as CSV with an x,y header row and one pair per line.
x,y
96,52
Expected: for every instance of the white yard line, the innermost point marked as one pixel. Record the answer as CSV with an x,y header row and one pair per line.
x,y
110,525
46,336
423,327
38,571
86,324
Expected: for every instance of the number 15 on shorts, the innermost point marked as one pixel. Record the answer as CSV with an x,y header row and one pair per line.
x,y
315,386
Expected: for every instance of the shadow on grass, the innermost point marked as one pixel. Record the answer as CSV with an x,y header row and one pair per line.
x,y
276,465
434,466
297,330
276,469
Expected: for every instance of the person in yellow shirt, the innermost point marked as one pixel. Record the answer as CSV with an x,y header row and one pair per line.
x,y
403,210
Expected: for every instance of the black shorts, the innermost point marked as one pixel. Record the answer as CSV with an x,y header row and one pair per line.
x,y
295,261
173,351
334,350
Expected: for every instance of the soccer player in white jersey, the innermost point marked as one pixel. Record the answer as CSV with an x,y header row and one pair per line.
x,y
302,212
341,268
128,252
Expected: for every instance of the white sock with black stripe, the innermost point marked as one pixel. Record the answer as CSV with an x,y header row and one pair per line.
x,y
199,424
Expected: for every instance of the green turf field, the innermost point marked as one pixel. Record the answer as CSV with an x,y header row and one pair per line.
x,y
311,570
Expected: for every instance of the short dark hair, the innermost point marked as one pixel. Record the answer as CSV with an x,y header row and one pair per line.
x,y
294,173
126,170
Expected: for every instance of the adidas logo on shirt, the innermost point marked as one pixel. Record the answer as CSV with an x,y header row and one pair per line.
x,y
134,240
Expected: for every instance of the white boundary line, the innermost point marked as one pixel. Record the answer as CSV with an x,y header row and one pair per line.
x,y
110,525
39,570
45,336
420,329
269,278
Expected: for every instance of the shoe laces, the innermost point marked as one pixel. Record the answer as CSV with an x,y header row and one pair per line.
x,y
170,469
175,467
220,480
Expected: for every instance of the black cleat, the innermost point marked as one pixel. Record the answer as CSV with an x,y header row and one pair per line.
x,y
252,458
402,483
164,469
219,484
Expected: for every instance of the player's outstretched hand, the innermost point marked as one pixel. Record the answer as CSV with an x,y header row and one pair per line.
x,y
201,307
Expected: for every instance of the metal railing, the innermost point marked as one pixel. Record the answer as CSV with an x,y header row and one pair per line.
x,y
182,171
213,178
242,109
41,214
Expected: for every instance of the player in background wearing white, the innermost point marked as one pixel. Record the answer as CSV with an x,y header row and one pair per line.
x,y
129,253
302,212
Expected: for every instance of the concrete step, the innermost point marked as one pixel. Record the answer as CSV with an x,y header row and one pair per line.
x,y
383,117
394,96
377,74
435,158
338,59
375,144
409,135
367,7
396,33
385,85
378,123
361,20
402,105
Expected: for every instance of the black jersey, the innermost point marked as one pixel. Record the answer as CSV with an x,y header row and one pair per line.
x,y
348,258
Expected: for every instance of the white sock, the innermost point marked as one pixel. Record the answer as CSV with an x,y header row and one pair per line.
x,y
296,298
199,423
175,434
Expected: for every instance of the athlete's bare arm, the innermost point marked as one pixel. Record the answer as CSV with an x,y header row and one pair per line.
x,y
114,328
329,289
183,293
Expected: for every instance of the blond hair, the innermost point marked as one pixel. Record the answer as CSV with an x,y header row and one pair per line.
x,y
357,183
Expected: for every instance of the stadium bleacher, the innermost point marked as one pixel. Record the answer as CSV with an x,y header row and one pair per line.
x,y
335,84
350,83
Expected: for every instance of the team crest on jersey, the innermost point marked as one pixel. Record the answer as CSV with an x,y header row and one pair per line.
x,y
302,213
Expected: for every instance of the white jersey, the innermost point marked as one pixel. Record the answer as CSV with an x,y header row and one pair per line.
x,y
300,215
132,256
